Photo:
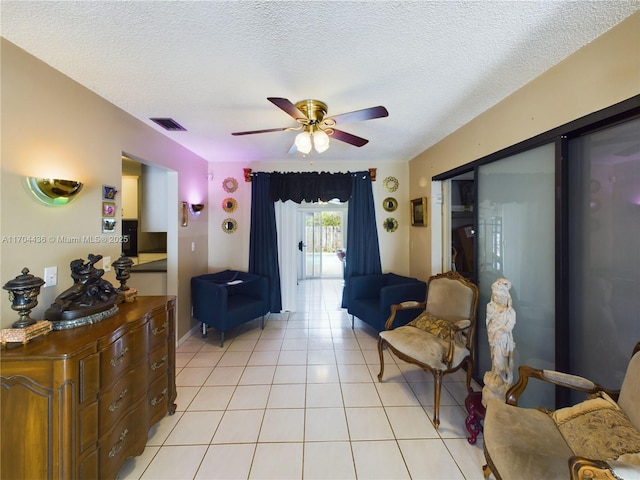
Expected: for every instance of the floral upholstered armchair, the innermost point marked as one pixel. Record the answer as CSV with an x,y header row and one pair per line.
x,y
441,338
595,439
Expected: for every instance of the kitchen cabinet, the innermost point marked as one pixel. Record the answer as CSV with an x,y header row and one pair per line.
x,y
130,198
153,199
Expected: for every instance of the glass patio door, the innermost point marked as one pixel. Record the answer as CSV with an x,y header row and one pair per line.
x,y
516,240
322,236
604,253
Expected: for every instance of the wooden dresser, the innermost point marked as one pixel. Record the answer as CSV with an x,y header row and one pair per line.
x,y
76,403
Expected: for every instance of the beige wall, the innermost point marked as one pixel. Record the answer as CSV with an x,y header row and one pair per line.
x,y
599,75
53,127
232,250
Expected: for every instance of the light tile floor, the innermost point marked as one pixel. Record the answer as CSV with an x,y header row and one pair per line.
x,y
300,400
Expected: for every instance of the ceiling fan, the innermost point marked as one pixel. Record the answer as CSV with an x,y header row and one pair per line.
x,y
316,126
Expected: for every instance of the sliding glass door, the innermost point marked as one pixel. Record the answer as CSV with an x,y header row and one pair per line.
x,y
323,232
516,240
604,251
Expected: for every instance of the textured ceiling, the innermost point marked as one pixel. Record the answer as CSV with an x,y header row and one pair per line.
x,y
211,65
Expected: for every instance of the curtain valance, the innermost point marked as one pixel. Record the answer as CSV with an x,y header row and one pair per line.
x,y
310,186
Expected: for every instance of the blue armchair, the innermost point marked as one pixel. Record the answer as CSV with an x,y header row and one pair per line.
x,y
370,298
229,298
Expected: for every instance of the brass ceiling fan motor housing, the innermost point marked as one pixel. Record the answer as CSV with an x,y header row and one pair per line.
x,y
315,110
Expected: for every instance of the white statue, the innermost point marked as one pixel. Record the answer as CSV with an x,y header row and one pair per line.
x,y
501,318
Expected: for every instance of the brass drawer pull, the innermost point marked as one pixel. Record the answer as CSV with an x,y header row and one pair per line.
x,y
118,446
116,404
118,360
157,331
157,365
156,400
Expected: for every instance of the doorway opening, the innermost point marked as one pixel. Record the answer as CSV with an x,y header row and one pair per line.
x,y
149,206
463,225
458,228
322,246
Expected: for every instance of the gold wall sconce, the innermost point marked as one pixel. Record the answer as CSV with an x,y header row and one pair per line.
x,y
196,208
54,191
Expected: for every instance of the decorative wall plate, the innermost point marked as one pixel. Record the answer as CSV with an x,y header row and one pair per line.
x,y
229,225
229,204
391,184
390,224
390,204
230,184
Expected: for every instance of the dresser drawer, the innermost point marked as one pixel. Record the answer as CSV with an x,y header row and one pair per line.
x,y
158,363
158,399
120,356
127,438
158,330
117,399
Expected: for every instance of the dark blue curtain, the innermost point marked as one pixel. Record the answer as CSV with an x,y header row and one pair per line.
x,y
363,249
263,238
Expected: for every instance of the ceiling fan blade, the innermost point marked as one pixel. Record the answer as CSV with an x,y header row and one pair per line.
x,y
348,138
251,132
359,115
288,107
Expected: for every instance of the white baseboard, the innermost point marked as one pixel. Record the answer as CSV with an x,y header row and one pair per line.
x,y
196,328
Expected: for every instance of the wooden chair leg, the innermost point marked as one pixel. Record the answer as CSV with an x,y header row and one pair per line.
x,y
469,374
381,354
437,386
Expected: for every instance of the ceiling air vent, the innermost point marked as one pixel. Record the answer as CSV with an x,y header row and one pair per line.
x,y
169,124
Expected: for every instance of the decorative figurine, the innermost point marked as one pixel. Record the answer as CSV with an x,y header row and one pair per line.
x,y
23,295
501,318
89,300
122,267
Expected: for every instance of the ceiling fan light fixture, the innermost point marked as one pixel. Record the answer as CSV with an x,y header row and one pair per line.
x,y
320,141
303,142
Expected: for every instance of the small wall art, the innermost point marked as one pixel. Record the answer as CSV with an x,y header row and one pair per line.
x,y
229,204
390,204
230,184
108,209
419,216
390,224
391,184
109,192
229,225
108,225
185,214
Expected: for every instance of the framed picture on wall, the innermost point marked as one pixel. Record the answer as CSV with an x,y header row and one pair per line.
x,y
108,192
108,225
108,209
419,212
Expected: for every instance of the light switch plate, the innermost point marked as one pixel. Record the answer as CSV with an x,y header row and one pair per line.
x,y
50,276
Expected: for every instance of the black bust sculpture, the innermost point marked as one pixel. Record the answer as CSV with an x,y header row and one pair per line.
x,y
90,299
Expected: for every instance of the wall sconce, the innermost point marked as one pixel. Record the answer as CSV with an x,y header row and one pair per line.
x,y
196,208
54,191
